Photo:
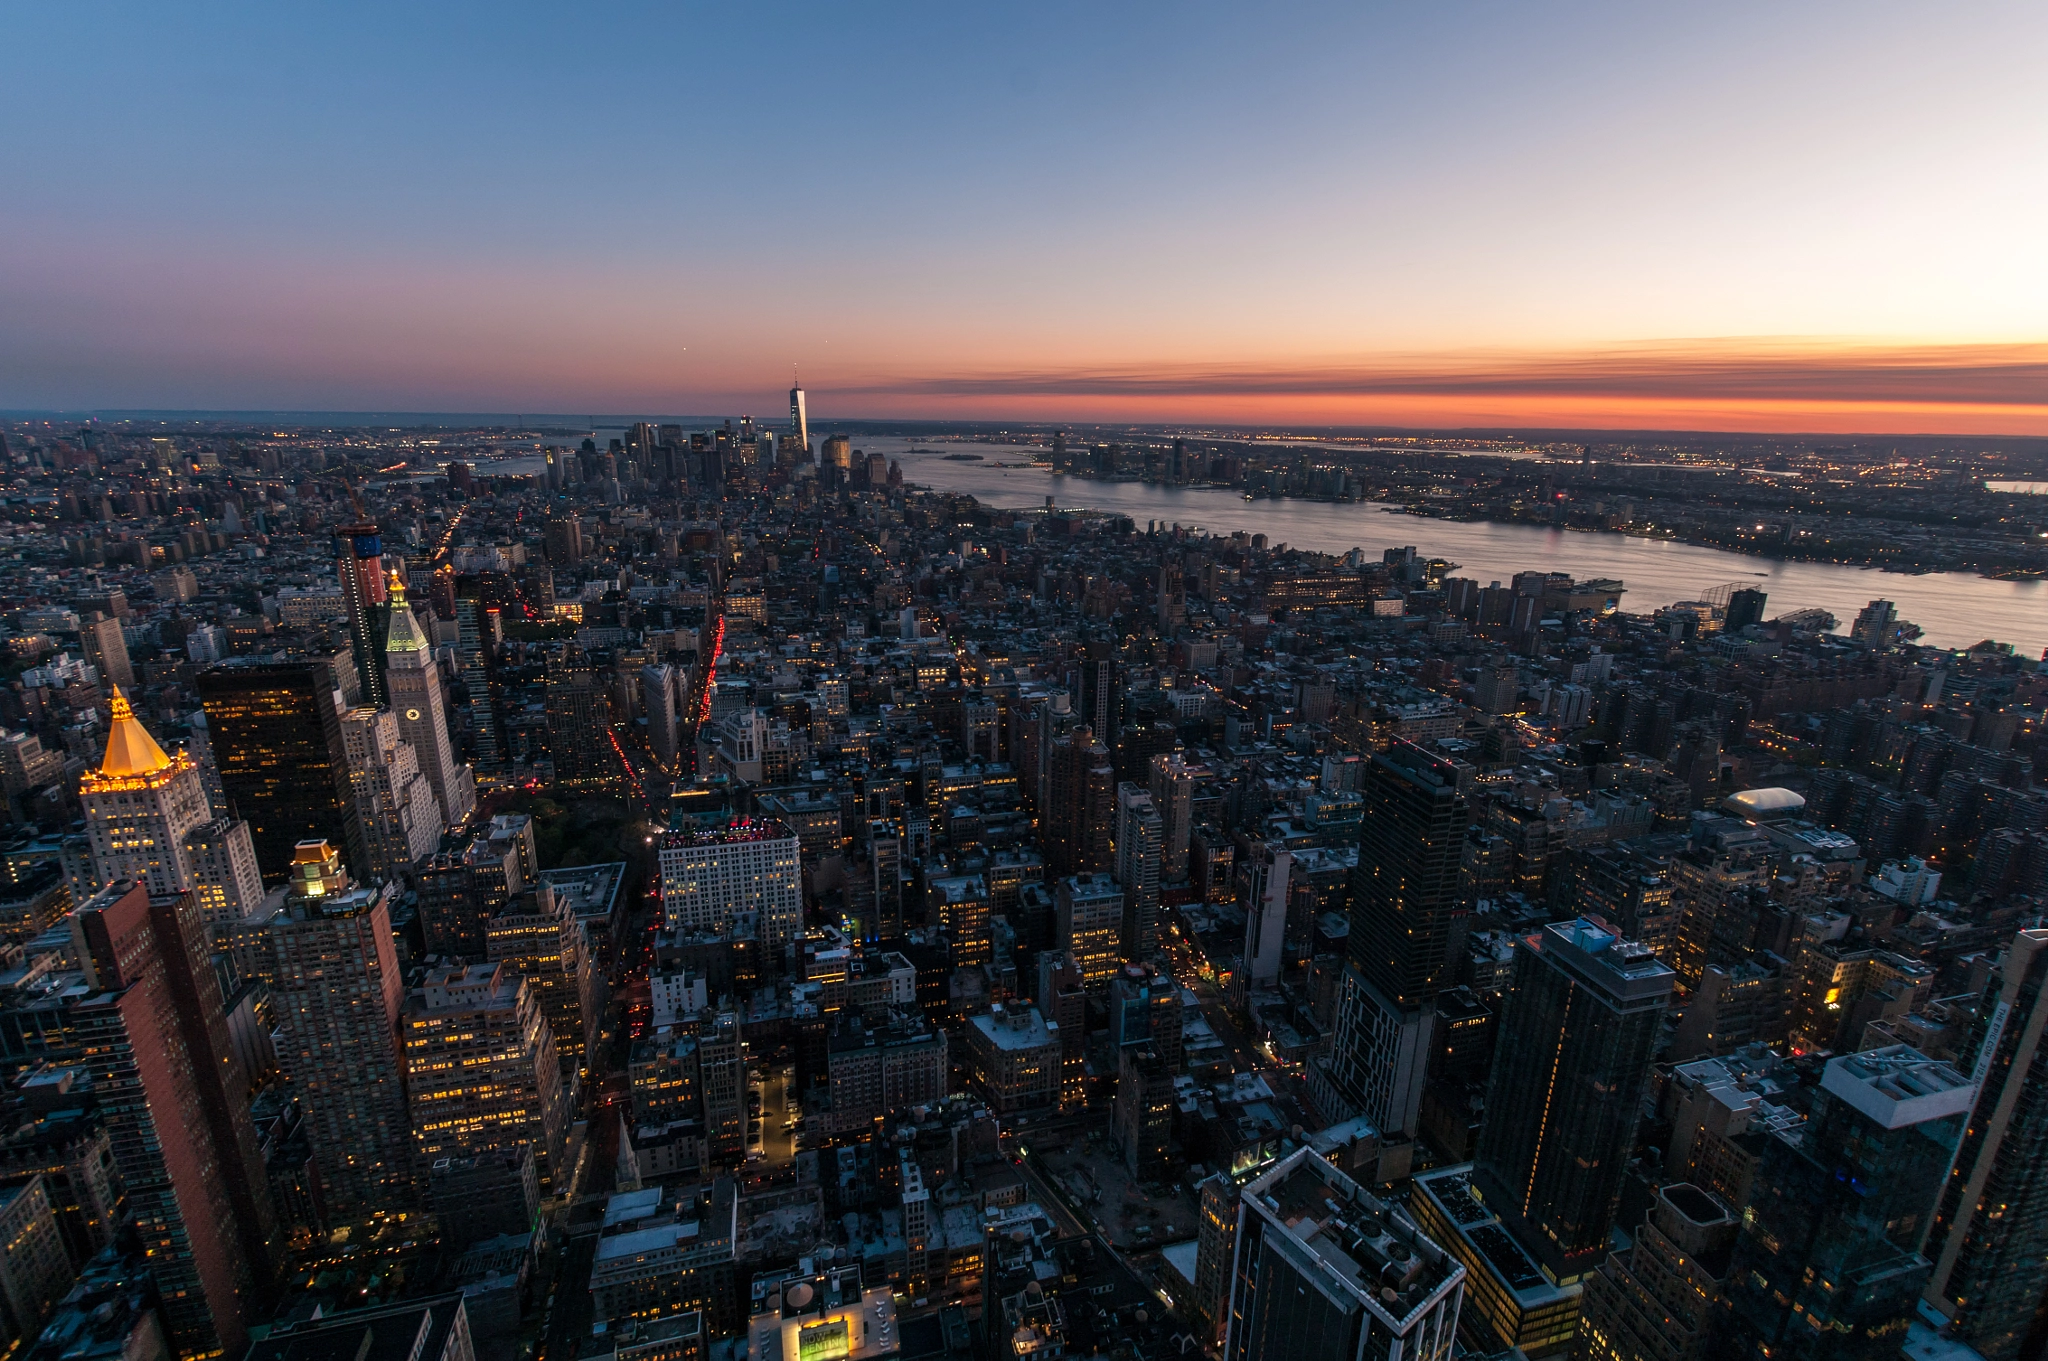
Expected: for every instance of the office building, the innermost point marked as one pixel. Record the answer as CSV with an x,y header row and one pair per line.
x,y
413,680
874,1070
359,566
224,872
275,729
1264,876
1745,607
336,991
459,893
148,820
476,637
960,903
1141,1121
394,802
564,541
106,650
1145,1009
1140,835
1089,925
537,936
35,1273
1013,1055
1077,819
139,806
481,1071
1404,896
799,425
1828,1264
1173,791
1321,1268
175,1100
722,1086
662,696
1656,1301
1578,1031
580,729
1990,1231
751,865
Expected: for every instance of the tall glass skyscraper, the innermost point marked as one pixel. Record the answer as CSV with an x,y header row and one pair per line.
x,y
1577,1036
1404,893
799,424
1828,1262
275,729
1990,1232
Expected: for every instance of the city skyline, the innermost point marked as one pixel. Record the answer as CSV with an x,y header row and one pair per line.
x,y
1751,220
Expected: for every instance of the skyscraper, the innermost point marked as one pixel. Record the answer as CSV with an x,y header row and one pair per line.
x,y
401,818
1173,794
359,564
414,682
275,728
176,1103
1827,1263
1323,1270
1577,1035
148,819
661,696
337,990
1404,893
799,425
1080,807
1138,837
106,649
1100,699
1656,1301
537,936
139,805
1990,1231
475,636
580,728
481,1071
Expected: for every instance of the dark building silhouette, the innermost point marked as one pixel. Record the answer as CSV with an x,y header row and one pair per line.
x,y
580,728
1578,1031
275,729
1745,607
1079,819
1404,899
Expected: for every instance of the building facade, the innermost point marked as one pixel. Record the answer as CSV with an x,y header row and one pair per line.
x,y
337,990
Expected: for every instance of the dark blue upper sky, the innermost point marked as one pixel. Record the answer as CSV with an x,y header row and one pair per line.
x,y
550,206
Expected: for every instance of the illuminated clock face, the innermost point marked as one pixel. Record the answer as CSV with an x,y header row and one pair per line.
x,y
412,715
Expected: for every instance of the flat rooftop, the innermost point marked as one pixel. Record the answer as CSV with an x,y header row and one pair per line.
x,y
592,890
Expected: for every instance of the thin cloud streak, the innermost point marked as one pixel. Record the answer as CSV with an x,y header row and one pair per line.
x,y
1977,376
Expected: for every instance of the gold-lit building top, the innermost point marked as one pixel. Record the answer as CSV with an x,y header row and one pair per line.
x,y
133,759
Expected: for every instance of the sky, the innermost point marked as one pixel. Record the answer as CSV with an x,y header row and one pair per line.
x,y
1814,216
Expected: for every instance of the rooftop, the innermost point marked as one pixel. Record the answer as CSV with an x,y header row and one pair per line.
x,y
1898,1086
1368,1248
1015,1027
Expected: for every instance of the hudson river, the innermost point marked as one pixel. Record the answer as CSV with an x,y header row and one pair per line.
x,y
1953,609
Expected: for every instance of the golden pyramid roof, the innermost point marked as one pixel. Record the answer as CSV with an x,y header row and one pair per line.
x,y
131,751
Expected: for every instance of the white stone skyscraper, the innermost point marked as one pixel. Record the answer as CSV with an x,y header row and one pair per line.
x,y
401,818
142,810
414,683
